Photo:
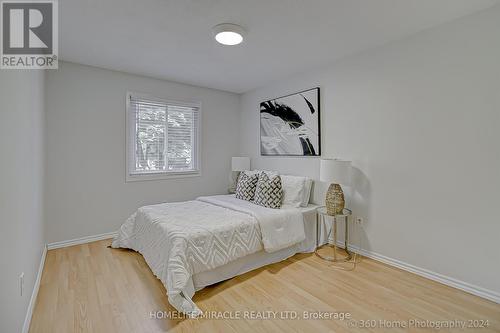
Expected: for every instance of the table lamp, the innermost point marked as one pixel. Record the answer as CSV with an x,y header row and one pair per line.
x,y
335,172
238,164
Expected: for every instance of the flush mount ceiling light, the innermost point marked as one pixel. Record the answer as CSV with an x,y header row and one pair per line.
x,y
228,33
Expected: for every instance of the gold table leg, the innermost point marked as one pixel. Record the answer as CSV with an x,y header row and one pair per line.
x,y
334,226
335,258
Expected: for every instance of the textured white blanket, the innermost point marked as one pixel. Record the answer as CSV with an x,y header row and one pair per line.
x,y
280,228
180,239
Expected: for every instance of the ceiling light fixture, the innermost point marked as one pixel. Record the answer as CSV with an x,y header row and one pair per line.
x,y
228,33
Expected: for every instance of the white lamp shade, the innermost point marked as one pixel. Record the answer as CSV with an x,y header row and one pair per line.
x,y
240,163
335,171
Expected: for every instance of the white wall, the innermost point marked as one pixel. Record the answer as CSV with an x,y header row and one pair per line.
x,y
420,119
22,122
86,189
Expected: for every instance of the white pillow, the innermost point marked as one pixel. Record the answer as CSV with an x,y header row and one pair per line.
x,y
269,173
307,192
294,189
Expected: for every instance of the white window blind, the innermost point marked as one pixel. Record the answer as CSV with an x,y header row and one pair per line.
x,y
163,136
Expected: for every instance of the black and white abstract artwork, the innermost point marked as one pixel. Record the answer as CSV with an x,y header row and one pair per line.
x,y
290,125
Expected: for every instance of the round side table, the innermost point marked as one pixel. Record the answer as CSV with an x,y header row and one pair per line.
x,y
321,217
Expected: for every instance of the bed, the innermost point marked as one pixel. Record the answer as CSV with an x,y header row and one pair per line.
x,y
193,244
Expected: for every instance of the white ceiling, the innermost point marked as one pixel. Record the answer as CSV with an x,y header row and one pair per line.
x,y
172,39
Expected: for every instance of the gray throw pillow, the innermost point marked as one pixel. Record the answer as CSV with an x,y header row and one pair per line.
x,y
245,188
269,191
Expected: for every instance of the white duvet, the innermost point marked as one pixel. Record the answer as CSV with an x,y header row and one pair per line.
x,y
180,239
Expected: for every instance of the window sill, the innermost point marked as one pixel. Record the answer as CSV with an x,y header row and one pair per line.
x,y
161,176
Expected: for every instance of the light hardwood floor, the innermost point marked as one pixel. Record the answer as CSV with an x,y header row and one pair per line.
x,y
91,288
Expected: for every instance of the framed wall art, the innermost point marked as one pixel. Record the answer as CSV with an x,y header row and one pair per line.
x,y
290,125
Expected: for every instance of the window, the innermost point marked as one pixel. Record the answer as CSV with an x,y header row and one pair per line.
x,y
162,138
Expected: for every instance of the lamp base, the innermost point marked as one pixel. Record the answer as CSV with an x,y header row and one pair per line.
x,y
334,201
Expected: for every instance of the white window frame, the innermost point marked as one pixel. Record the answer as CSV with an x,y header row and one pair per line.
x,y
132,175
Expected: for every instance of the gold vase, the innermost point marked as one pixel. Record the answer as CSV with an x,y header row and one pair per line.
x,y
334,200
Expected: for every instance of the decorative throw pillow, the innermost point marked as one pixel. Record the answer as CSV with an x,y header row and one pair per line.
x,y
293,190
269,192
245,188
307,192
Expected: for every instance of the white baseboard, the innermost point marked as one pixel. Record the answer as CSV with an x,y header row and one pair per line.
x,y
51,246
78,241
34,294
449,281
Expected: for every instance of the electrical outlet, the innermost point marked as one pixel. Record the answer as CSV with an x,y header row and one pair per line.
x,y
21,283
359,220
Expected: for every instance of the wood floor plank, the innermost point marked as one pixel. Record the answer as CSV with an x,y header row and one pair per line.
x,y
92,288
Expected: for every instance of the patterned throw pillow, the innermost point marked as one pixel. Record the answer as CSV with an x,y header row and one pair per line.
x,y
269,192
245,188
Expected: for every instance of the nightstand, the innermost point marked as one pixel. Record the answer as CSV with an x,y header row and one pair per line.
x,y
322,218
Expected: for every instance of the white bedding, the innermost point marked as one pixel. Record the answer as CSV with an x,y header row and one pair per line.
x,y
280,228
181,239
263,258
